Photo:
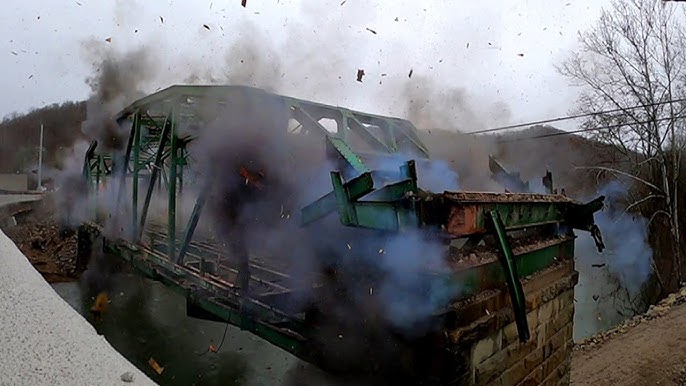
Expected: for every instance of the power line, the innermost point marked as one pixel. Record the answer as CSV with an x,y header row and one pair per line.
x,y
570,117
584,130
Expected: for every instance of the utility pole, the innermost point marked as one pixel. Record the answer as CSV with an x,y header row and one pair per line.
x,y
40,161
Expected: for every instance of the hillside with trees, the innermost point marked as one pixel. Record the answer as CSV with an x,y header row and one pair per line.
x,y
20,134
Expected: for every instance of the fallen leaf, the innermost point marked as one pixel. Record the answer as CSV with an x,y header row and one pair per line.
x,y
360,74
371,30
207,27
410,74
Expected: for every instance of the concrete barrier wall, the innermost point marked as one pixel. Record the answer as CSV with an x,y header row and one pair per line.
x,y
14,182
43,341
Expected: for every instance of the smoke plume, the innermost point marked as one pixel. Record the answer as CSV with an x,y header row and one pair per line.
x,y
610,283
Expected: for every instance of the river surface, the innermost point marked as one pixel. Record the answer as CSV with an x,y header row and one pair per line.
x,y
146,320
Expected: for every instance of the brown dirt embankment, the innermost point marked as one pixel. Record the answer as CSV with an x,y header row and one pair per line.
x,y
649,349
50,248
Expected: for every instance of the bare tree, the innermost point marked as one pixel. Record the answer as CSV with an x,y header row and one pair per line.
x,y
635,56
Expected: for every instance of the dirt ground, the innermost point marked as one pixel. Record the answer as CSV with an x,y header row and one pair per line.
x,y
50,248
648,350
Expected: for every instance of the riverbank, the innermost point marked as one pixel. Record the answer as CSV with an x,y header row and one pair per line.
x,y
50,249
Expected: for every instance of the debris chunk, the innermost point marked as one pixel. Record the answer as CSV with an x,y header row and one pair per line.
x,y
155,366
127,377
360,74
100,305
371,30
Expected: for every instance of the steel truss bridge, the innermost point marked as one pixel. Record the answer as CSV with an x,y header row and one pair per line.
x,y
493,239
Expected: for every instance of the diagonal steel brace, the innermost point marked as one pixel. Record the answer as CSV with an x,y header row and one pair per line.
x,y
514,285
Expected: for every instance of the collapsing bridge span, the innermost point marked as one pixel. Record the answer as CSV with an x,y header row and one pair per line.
x,y
491,240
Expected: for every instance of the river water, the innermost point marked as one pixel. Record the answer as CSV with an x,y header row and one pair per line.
x,y
146,320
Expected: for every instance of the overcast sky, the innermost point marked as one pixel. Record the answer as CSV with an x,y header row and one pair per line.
x,y
498,56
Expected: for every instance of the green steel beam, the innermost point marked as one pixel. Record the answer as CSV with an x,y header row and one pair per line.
x,y
511,277
357,187
157,165
171,219
358,128
195,217
123,166
471,281
348,154
136,170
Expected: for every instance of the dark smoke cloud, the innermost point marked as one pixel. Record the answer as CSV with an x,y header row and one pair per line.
x,y
119,79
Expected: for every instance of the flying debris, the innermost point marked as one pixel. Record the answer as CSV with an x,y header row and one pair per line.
x,y
207,27
360,74
371,30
